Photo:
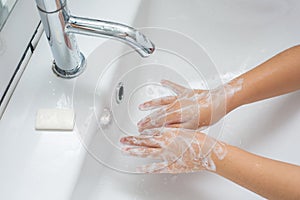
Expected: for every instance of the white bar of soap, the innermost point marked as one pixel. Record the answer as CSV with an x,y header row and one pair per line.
x,y
55,119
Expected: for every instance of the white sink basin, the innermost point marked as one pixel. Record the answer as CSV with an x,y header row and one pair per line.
x,y
209,33
199,44
107,95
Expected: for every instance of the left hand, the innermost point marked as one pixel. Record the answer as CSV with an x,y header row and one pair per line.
x,y
189,108
179,150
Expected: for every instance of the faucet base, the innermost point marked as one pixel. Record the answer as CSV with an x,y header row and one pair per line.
x,y
68,74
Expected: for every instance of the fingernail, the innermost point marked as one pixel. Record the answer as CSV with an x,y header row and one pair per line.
x,y
123,140
125,151
144,106
139,123
124,148
163,81
143,122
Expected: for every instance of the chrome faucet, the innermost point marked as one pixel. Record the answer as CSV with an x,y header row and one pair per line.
x,y
60,28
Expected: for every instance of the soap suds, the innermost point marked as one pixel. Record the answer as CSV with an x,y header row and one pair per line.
x,y
179,151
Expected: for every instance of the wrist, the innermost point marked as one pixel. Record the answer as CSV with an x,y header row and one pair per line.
x,y
216,156
230,103
233,94
219,163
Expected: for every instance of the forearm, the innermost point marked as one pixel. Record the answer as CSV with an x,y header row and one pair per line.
x,y
269,178
279,75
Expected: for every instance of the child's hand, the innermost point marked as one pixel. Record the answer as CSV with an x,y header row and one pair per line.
x,y
190,109
178,150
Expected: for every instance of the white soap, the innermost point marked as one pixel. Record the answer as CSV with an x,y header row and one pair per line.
x,y
55,119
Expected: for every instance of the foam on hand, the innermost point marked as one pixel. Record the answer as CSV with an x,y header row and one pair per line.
x,y
55,119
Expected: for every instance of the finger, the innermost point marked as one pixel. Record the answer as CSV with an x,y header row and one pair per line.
x,y
175,125
178,89
199,91
161,167
156,120
185,125
142,141
142,152
152,132
155,103
152,119
161,117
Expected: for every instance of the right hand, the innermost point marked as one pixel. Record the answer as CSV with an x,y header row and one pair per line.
x,y
178,150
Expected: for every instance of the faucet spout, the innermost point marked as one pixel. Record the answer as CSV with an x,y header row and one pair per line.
x,y
60,29
113,30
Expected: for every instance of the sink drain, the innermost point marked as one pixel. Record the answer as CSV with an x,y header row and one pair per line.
x,y
119,93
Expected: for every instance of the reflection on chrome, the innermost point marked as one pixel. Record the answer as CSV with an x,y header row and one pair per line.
x,y
60,28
